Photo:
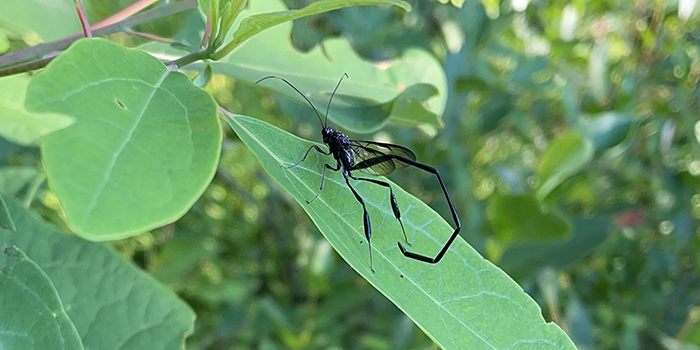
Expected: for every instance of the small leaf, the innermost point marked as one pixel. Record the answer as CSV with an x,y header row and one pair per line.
x,y
14,178
520,219
144,146
564,157
32,314
598,71
462,302
113,304
605,130
19,125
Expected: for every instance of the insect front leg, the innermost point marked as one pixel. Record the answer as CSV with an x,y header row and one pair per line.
x,y
394,204
306,155
368,226
323,179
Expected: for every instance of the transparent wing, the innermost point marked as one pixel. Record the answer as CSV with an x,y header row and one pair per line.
x,y
375,158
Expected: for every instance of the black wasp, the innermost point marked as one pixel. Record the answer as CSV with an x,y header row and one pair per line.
x,y
375,158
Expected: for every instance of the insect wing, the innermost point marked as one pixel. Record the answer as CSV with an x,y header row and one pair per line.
x,y
377,158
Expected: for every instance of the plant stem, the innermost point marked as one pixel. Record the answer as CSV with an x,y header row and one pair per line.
x,y
191,57
36,53
87,32
125,13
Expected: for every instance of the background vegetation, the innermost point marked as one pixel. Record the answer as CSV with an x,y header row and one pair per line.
x,y
570,144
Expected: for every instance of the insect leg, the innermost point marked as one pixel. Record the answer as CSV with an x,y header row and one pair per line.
x,y
306,155
394,204
368,227
444,249
323,179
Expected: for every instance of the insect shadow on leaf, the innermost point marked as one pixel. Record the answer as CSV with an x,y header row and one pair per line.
x,y
374,158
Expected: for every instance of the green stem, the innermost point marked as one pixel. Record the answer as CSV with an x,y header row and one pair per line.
x,y
191,57
38,52
33,188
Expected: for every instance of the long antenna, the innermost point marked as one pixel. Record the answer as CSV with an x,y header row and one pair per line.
x,y
345,75
297,90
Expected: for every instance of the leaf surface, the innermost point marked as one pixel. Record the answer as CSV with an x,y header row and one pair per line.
x,y
32,314
462,302
144,146
113,305
50,19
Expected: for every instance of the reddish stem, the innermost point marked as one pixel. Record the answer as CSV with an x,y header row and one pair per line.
x,y
125,13
87,32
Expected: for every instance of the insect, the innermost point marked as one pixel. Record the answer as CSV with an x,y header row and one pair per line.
x,y
375,158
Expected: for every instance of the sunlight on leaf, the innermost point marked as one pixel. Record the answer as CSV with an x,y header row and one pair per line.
x,y
462,301
144,146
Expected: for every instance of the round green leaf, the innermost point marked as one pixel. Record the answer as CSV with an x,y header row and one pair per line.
x,y
32,314
144,146
520,219
463,302
113,304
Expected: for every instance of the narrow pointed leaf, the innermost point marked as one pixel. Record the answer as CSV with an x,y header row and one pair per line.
x,y
144,145
255,24
33,317
113,304
463,302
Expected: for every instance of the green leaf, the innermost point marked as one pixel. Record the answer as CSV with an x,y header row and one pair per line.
x,y
144,146
50,19
519,219
113,305
564,157
14,178
521,261
255,24
16,123
462,302
357,106
6,220
606,129
598,71
32,314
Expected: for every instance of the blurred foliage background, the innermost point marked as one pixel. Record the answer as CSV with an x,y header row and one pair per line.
x,y
571,145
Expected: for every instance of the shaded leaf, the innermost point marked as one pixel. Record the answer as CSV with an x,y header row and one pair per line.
x,y
565,156
32,314
523,260
519,219
605,130
113,305
463,301
144,146
14,178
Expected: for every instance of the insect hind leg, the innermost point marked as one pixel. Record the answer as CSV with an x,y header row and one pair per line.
x,y
394,204
367,225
